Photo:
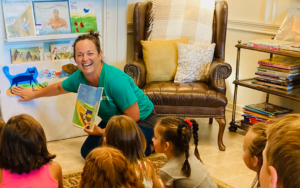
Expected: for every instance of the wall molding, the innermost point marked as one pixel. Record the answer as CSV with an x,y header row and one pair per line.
x,y
254,27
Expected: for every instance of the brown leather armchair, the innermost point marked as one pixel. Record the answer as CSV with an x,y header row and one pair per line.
x,y
194,99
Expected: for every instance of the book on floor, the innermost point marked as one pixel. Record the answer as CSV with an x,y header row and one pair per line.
x,y
87,106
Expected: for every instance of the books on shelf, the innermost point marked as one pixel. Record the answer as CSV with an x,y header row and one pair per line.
x,y
87,106
61,51
51,17
83,16
268,43
292,47
263,112
279,69
28,54
18,18
281,62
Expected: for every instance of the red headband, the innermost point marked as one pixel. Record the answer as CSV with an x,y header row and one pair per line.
x,y
189,122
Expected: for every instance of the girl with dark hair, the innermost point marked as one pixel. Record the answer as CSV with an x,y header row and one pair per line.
x,y
183,169
120,95
25,160
123,133
107,167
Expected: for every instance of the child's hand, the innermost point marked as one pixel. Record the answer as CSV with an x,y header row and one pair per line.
x,y
97,130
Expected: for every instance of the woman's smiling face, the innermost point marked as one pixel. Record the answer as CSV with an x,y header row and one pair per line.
x,y
87,57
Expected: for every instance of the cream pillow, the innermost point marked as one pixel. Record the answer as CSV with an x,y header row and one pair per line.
x,y
161,58
194,62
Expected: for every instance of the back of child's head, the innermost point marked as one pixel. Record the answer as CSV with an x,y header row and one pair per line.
x,y
283,149
23,145
107,167
123,133
254,144
2,124
178,132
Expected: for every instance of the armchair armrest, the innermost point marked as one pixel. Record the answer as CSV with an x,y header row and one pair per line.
x,y
137,70
219,71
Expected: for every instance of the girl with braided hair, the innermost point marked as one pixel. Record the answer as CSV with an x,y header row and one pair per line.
x,y
184,168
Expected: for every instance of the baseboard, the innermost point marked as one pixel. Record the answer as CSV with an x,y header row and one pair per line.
x,y
239,108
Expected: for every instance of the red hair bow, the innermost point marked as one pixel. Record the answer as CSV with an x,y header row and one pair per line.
x,y
189,122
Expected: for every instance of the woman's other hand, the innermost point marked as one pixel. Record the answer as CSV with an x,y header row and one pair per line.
x,y
26,94
96,132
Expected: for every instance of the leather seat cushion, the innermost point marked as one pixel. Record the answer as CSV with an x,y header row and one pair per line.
x,y
195,94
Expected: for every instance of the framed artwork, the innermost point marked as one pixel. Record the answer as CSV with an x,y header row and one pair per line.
x,y
52,17
83,16
28,54
18,18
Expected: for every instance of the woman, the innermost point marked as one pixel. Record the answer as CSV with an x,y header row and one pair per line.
x,y
120,94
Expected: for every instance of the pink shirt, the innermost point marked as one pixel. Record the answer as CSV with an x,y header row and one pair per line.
x,y
35,179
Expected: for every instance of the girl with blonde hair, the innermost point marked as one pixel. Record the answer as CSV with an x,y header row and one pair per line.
x,y
123,133
107,167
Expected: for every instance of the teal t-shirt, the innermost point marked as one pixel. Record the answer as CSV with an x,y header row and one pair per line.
x,y
119,92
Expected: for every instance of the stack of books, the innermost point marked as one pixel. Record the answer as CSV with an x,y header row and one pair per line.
x,y
268,43
278,72
263,112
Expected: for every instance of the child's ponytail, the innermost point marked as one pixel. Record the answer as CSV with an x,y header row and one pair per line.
x,y
195,136
184,138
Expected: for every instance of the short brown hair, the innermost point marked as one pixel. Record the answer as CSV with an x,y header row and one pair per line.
x,y
23,145
123,133
283,149
107,167
92,36
178,131
2,124
258,143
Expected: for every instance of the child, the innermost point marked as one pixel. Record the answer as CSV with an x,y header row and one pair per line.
x,y
25,160
123,133
281,166
183,168
254,144
107,167
2,123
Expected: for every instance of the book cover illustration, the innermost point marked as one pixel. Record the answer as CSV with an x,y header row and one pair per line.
x,y
47,48
28,54
87,106
290,27
51,17
268,109
281,62
61,51
18,18
83,16
27,79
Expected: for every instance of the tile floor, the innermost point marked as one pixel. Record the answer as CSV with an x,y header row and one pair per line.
x,y
226,166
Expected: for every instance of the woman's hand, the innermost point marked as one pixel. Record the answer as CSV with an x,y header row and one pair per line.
x,y
26,94
96,132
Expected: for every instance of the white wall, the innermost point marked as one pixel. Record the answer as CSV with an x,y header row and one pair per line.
x,y
247,20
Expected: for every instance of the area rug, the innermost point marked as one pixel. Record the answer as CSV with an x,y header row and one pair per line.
x,y
72,179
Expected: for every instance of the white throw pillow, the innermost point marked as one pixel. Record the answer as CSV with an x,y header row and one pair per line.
x,y
194,62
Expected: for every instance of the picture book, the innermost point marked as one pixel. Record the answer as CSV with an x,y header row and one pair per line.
x,y
289,79
87,106
290,27
61,51
18,18
267,108
51,17
263,116
286,88
47,48
277,81
281,62
83,16
279,69
28,54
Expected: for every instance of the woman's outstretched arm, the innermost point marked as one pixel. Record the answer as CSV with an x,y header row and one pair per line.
x,y
27,94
